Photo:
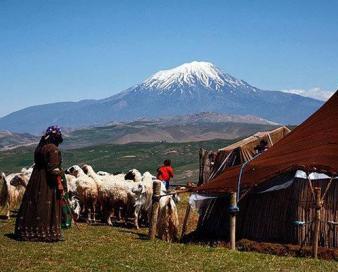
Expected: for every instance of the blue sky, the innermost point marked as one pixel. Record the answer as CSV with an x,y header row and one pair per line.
x,y
70,50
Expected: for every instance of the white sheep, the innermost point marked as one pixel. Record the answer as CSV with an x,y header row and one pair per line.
x,y
143,200
71,184
87,191
4,194
168,223
13,189
117,195
140,198
118,192
100,180
114,194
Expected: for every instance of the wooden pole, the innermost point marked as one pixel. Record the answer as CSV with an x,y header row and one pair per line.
x,y
185,222
317,192
233,203
154,209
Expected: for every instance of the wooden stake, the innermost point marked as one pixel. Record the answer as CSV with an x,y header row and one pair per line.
x,y
317,192
154,209
233,203
185,222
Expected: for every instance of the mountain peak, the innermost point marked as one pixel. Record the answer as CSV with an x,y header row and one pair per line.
x,y
191,74
187,89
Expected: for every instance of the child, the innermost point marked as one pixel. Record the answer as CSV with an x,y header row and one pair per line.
x,y
165,172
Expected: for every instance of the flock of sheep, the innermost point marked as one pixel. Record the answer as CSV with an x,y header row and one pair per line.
x,y
121,196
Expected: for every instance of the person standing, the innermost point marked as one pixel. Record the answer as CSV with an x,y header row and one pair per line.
x,y
165,172
39,216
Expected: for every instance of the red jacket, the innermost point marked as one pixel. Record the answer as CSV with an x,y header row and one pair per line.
x,y
165,173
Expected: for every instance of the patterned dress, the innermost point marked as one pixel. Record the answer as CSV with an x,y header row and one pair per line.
x,y
39,217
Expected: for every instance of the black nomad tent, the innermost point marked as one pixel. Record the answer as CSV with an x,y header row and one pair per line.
x,y
276,188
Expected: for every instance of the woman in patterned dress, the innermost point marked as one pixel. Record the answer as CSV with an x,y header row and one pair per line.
x,y
39,217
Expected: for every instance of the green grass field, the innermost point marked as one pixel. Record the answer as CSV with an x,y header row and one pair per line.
x,y
104,248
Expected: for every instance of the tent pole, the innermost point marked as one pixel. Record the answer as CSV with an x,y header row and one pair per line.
x,y
327,188
233,203
154,209
317,192
185,222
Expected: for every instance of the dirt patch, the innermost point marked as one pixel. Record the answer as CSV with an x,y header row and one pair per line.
x,y
287,249
267,248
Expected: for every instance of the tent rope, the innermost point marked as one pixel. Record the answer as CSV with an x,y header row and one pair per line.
x,y
270,139
244,194
311,187
220,168
327,189
241,173
208,209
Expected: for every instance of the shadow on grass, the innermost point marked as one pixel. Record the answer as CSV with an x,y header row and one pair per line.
x,y
13,214
11,236
141,236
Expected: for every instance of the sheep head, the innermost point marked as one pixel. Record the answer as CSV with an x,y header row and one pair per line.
x,y
19,180
134,175
87,169
74,170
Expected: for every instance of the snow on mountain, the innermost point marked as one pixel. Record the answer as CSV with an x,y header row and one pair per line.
x,y
196,73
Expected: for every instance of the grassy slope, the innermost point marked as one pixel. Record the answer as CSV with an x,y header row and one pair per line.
x,y
152,132
114,158
103,248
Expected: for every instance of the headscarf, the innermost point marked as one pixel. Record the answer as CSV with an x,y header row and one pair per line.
x,y
53,130
52,135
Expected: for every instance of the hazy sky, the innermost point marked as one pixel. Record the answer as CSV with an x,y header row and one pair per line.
x,y
70,50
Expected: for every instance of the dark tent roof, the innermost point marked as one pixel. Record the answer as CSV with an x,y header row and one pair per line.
x,y
312,146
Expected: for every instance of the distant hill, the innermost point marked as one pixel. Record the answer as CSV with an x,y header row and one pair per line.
x,y
206,117
10,140
186,128
182,128
187,89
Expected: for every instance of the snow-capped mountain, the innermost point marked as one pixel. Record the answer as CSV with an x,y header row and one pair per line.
x,y
202,74
187,89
